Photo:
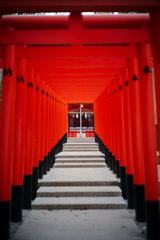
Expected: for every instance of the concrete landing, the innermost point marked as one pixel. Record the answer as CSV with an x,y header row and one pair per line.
x,y
80,154
78,225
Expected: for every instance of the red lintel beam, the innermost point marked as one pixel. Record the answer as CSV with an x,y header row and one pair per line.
x,y
95,21
85,36
77,71
74,63
76,78
32,6
128,50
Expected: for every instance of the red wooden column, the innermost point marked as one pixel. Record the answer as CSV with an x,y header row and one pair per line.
x,y
28,163
19,142
128,140
46,131
115,160
52,150
49,130
6,137
36,140
42,129
137,145
115,109
149,141
121,135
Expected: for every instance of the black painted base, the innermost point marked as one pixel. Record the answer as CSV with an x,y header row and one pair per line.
x,y
140,207
27,191
45,164
53,155
130,191
114,164
153,220
117,169
16,203
123,181
110,160
5,208
34,182
40,172
49,161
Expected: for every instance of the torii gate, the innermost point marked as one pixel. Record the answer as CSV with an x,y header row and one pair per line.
x,y
115,53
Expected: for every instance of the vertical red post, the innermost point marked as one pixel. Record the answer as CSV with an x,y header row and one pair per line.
x,y
121,136
6,137
46,132
19,142
42,129
49,129
136,128
28,163
149,141
128,140
36,140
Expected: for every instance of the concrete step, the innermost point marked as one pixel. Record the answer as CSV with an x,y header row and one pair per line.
x,y
80,149
96,154
83,140
80,144
78,203
79,160
79,165
79,191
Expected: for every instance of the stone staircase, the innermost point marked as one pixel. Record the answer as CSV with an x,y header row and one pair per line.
x,y
79,179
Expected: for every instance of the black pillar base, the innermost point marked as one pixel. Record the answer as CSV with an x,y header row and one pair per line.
x,y
34,182
5,208
45,164
49,161
130,191
140,208
27,191
111,163
123,182
114,164
153,221
53,155
117,169
40,174
16,203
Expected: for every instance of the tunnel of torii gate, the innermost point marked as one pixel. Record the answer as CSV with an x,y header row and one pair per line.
x,y
107,60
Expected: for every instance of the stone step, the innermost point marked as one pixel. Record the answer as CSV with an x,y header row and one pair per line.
x,y
78,203
76,160
79,191
79,165
80,144
80,155
80,149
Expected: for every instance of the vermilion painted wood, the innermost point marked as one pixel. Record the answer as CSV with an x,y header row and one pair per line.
x,y
42,120
136,125
46,140
36,140
19,124
129,50
97,21
116,116
148,126
74,36
121,120
7,124
76,62
30,114
127,122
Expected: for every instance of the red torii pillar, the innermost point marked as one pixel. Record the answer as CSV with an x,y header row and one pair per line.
x,y
42,129
149,141
121,135
28,163
46,132
19,142
6,137
36,135
137,143
128,140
